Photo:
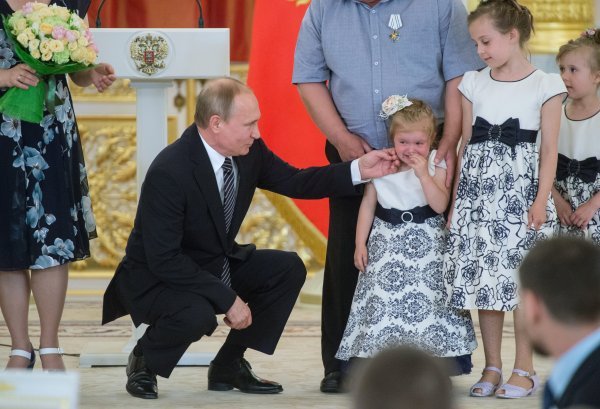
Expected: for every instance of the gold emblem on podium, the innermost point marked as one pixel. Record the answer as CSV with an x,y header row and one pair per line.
x,y
149,53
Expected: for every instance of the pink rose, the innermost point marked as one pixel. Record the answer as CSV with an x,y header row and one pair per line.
x,y
70,36
27,8
58,32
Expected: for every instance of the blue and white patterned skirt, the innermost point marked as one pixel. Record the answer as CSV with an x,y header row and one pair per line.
x,y
489,235
400,298
578,192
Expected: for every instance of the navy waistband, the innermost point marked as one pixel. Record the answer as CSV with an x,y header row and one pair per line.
x,y
509,132
414,215
586,169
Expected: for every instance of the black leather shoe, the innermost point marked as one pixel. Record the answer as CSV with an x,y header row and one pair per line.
x,y
141,382
332,383
225,378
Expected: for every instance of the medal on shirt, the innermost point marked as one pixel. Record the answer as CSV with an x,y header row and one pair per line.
x,y
395,23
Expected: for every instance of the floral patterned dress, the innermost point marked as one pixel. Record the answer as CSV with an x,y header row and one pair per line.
x,y
400,299
578,140
46,217
497,185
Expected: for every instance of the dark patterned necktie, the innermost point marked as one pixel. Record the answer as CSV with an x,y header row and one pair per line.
x,y
228,206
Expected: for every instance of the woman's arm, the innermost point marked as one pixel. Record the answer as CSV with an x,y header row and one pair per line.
x,y
20,76
102,76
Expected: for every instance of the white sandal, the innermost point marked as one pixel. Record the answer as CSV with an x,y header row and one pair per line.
x,y
52,351
487,388
24,354
515,392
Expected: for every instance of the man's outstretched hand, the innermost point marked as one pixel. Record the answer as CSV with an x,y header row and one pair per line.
x,y
378,163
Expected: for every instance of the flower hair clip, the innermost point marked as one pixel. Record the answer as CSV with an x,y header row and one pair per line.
x,y
589,33
393,104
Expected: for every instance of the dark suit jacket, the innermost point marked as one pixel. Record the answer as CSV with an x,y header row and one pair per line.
x,y
584,387
179,238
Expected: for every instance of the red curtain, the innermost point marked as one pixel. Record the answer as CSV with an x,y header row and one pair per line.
x,y
284,124
234,14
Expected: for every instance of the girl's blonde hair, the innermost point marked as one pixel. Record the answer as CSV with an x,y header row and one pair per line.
x,y
416,117
589,38
506,15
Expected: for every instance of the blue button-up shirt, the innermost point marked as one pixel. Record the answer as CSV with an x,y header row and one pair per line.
x,y
348,44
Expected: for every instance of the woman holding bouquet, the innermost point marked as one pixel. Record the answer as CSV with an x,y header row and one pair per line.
x,y
46,218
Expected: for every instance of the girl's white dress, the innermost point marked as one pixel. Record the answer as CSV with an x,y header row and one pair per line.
x,y
578,140
400,298
498,183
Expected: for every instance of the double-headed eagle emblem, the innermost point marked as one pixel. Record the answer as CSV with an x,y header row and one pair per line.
x,y
149,53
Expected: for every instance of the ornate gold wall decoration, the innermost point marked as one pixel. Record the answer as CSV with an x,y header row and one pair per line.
x,y
555,22
109,144
120,91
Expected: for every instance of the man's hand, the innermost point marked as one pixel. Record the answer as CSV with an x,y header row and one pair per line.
x,y
376,164
447,151
351,146
239,315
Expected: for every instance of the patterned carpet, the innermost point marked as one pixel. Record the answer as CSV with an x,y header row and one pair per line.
x,y
81,319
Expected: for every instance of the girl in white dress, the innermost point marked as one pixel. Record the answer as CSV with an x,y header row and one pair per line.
x,y
502,202
400,296
577,186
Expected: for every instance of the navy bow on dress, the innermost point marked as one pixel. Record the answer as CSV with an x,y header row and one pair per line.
x,y
509,132
586,169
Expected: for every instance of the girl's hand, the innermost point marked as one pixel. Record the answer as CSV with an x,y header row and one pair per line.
x,y
361,258
102,76
20,76
584,213
536,216
564,210
418,164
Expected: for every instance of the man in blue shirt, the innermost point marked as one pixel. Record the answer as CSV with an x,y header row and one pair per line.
x,y
350,56
560,284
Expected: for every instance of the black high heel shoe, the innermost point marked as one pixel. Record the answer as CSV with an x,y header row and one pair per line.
x,y
24,354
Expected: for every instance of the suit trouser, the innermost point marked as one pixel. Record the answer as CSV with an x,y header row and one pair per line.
x,y
340,275
269,281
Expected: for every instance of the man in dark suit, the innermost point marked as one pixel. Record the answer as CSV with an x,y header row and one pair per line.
x,y
182,265
560,284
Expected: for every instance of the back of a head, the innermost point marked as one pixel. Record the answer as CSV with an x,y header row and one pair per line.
x,y
403,378
565,273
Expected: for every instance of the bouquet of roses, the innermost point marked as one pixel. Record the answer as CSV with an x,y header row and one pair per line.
x,y
52,40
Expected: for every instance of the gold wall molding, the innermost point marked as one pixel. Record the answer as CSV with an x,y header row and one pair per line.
x,y
555,22
109,144
119,91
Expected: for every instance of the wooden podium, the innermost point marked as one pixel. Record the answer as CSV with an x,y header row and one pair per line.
x,y
152,59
